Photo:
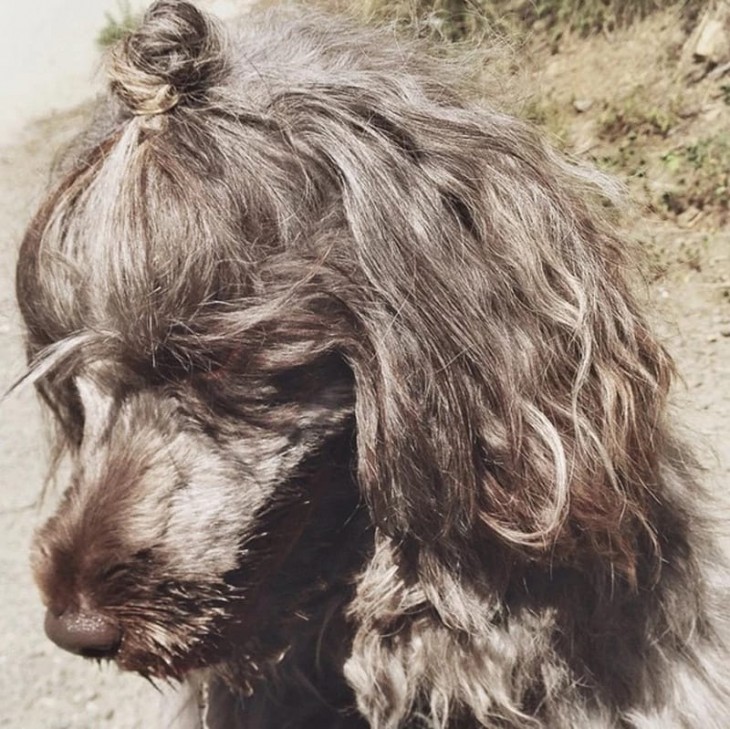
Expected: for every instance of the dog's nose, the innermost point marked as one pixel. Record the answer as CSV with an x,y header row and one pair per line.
x,y
85,632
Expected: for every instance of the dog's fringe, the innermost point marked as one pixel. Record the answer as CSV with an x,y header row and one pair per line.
x,y
50,359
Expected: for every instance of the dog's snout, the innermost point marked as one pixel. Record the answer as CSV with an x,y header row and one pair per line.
x,y
84,632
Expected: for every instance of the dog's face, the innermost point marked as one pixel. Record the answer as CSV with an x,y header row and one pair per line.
x,y
262,290
207,414
187,495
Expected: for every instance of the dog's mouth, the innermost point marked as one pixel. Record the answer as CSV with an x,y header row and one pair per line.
x,y
153,666
97,636
253,658
149,619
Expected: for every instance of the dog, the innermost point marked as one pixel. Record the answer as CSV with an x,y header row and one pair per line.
x,y
366,426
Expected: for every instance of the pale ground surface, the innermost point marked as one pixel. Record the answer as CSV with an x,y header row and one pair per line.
x,y
43,688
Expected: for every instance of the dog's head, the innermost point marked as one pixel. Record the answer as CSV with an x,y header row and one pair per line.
x,y
288,265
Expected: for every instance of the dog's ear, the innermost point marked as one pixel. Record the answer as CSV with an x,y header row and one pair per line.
x,y
508,388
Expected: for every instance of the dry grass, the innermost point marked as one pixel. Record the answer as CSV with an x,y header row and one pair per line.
x,y
459,19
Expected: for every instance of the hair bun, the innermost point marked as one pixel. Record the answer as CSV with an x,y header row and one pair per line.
x,y
174,57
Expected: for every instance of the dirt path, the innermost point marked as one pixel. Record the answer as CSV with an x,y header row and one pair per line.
x,y
43,688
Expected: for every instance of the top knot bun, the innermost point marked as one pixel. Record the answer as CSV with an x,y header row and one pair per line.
x,y
174,57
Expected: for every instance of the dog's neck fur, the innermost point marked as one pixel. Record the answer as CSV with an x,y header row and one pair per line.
x,y
303,635
326,642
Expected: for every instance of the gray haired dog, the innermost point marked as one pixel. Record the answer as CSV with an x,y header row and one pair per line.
x,y
366,428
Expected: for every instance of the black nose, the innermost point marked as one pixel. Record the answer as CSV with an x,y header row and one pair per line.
x,y
85,632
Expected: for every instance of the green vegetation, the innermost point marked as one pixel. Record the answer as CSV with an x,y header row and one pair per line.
x,y
725,91
632,126
592,16
445,19
701,171
638,115
550,115
118,25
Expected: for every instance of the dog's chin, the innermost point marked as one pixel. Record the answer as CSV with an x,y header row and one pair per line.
x,y
156,668
171,665
209,652
246,668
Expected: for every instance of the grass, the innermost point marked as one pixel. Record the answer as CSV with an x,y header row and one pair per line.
x,y
725,91
701,171
638,115
592,16
551,116
459,19
118,25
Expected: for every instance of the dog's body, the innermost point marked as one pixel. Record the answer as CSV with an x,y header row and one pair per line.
x,y
367,429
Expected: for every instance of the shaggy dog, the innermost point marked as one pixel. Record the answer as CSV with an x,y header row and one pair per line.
x,y
366,428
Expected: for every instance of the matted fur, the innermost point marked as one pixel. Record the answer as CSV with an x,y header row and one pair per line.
x,y
365,422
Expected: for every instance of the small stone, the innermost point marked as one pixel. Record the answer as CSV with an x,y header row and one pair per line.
x,y
582,105
725,332
712,43
688,217
712,338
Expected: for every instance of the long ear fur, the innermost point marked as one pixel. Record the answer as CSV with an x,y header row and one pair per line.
x,y
511,391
